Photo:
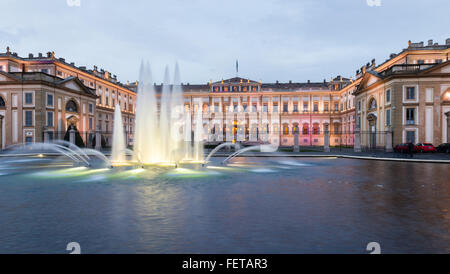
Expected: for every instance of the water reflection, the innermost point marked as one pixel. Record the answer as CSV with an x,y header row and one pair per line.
x,y
255,206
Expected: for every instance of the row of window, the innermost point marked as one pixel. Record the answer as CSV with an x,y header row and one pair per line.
x,y
265,107
410,95
410,117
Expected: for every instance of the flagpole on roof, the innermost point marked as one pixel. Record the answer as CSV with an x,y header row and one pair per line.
x,y
237,68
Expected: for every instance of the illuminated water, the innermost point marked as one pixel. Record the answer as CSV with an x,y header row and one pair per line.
x,y
255,205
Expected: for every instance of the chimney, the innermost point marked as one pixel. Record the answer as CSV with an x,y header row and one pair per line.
x,y
290,81
392,55
276,82
49,54
373,62
430,42
447,42
72,64
40,55
30,55
95,68
83,68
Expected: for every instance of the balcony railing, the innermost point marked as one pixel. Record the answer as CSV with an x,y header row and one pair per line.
x,y
407,68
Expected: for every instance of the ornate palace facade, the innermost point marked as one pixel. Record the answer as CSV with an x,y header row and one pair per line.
x,y
408,95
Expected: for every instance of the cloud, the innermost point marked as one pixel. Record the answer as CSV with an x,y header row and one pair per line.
x,y
273,39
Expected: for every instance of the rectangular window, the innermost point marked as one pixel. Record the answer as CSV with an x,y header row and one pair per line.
x,y
265,108
245,107
336,107
325,107
275,108
305,106
316,107
28,140
216,108
90,123
285,107
410,93
359,105
388,96
49,119
420,62
29,98
1,68
28,118
50,100
295,107
410,116
358,122
254,108
388,117
44,70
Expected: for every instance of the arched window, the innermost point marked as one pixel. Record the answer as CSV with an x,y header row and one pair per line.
x,y
295,129
316,128
372,104
2,102
305,129
71,106
285,129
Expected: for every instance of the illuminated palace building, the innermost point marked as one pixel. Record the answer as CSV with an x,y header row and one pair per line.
x,y
406,98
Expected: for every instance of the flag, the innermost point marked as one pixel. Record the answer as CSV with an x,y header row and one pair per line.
x,y
237,66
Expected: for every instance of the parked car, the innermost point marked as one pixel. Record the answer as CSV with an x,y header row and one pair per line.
x,y
445,148
424,147
403,148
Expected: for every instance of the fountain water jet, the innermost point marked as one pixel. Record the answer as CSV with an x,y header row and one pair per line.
x,y
159,136
118,145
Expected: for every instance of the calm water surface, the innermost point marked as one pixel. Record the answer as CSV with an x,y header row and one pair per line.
x,y
271,205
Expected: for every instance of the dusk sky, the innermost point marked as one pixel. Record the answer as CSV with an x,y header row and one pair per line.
x,y
273,40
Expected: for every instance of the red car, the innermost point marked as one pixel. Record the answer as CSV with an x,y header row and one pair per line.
x,y
424,147
401,148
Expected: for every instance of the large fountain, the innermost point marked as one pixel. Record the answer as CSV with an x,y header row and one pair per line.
x,y
163,126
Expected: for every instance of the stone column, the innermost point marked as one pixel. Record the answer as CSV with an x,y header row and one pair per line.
x,y
388,140
1,132
296,147
46,135
98,140
72,136
326,141
357,144
448,126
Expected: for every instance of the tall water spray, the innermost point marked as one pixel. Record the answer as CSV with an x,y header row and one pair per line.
x,y
198,134
164,119
177,119
161,137
118,145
